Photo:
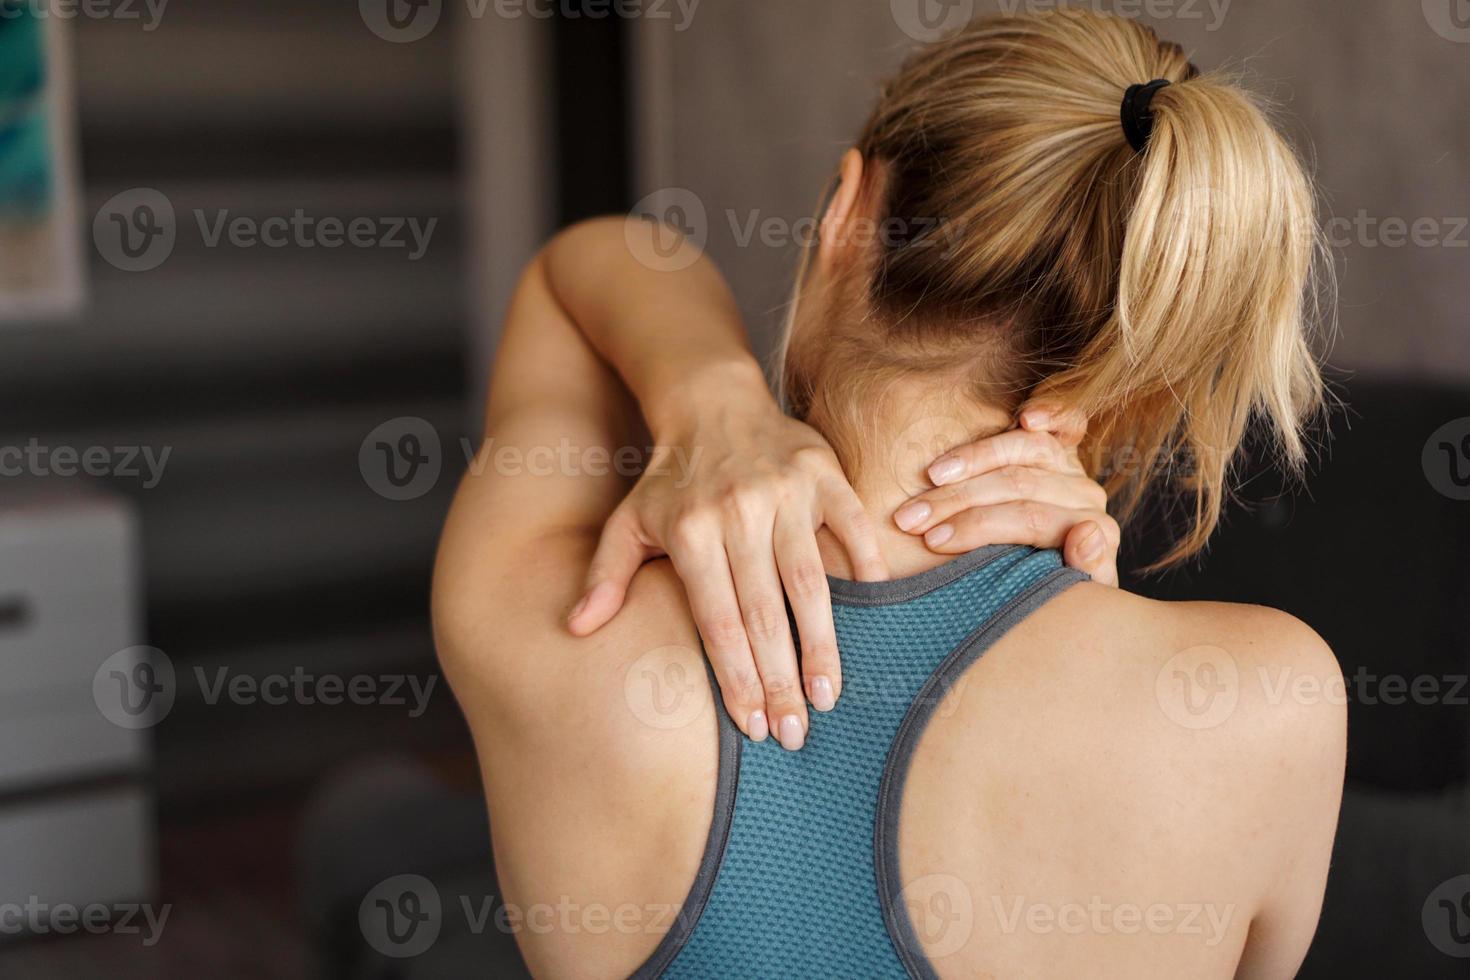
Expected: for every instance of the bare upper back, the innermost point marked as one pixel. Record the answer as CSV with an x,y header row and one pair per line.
x,y
1118,788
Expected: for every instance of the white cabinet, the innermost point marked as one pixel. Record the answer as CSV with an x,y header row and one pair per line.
x,y
75,817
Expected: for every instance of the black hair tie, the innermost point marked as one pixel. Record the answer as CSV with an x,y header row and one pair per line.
x,y
1138,118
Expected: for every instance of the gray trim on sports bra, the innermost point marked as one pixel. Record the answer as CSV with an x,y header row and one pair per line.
x,y
726,784
899,590
901,756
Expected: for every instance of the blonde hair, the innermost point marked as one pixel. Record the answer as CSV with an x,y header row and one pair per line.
x,y
1167,294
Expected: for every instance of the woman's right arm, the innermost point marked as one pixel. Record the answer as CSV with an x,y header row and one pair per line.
x,y
737,491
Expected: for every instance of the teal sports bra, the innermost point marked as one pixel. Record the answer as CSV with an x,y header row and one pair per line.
x,y
800,873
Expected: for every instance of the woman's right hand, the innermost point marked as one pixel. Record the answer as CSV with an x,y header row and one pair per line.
x,y
735,496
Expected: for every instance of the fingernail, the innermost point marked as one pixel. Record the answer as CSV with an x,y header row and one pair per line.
x,y
792,736
756,726
939,535
1036,418
577,609
946,471
912,516
822,697
1092,546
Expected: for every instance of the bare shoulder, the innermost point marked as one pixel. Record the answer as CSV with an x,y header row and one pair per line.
x,y
1237,713
501,635
1261,677
1232,713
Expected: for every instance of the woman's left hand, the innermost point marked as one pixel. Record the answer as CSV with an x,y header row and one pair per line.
x,y
1026,486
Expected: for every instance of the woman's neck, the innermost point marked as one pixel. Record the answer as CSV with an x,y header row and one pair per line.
x,y
889,459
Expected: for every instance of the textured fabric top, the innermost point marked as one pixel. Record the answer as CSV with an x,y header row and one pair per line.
x,y
792,892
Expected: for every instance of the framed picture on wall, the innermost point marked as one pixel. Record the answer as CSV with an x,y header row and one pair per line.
x,y
40,243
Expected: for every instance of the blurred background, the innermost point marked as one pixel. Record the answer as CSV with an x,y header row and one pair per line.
x,y
252,260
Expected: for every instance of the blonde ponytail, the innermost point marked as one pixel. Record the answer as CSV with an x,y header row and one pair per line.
x,y
1208,330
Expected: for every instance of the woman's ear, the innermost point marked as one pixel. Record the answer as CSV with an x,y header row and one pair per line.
x,y
838,223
